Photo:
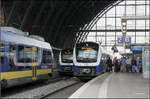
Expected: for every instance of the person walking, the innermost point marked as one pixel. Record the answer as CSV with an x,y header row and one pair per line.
x,y
109,64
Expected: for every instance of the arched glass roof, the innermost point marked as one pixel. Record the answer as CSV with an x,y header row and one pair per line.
x,y
108,28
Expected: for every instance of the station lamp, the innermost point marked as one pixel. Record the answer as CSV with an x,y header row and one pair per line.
x,y
124,27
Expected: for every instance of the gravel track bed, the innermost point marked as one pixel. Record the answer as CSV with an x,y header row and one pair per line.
x,y
67,92
42,90
28,86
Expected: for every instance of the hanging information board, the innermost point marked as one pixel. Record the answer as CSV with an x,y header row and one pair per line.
x,y
121,40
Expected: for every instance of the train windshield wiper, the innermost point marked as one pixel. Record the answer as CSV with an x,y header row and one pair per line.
x,y
66,60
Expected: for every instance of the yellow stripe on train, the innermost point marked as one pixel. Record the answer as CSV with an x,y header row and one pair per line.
x,y
21,74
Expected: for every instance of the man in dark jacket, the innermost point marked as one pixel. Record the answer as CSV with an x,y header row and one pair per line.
x,y
109,64
133,62
115,62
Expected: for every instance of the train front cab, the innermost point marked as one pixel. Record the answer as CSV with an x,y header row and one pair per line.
x,y
89,72
19,64
65,62
92,71
86,67
86,61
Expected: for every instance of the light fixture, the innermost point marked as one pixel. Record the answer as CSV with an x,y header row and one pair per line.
x,y
124,23
124,28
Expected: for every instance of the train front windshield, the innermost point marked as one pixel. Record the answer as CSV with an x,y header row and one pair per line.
x,y
67,56
86,54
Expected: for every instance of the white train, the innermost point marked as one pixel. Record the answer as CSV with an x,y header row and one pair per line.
x,y
89,60
66,62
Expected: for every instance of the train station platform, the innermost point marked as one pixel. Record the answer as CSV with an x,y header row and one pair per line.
x,y
115,85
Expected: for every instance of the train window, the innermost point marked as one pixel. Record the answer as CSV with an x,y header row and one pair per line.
x,y
28,68
34,54
2,53
12,48
103,57
21,54
66,56
27,54
47,57
20,68
12,52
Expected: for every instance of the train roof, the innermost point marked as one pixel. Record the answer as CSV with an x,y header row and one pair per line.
x,y
8,36
90,43
67,49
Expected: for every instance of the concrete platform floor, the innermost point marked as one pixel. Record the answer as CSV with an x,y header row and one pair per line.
x,y
115,85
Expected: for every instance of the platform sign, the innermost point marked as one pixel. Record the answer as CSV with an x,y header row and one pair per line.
x,y
122,40
127,40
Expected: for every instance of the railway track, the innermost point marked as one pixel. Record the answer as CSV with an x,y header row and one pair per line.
x,y
51,93
41,90
25,87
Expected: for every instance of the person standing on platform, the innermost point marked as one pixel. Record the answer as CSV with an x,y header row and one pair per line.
x,y
138,64
128,64
115,62
130,68
109,64
119,64
134,65
123,64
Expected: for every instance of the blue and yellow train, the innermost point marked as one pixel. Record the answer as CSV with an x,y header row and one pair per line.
x,y
23,58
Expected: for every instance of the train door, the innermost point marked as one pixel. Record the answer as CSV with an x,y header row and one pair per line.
x,y
34,61
12,53
2,56
3,63
27,60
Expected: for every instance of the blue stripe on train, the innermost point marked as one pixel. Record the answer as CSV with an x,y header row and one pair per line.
x,y
98,67
60,67
75,68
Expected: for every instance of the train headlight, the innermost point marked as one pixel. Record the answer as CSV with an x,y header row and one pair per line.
x,y
67,68
86,70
